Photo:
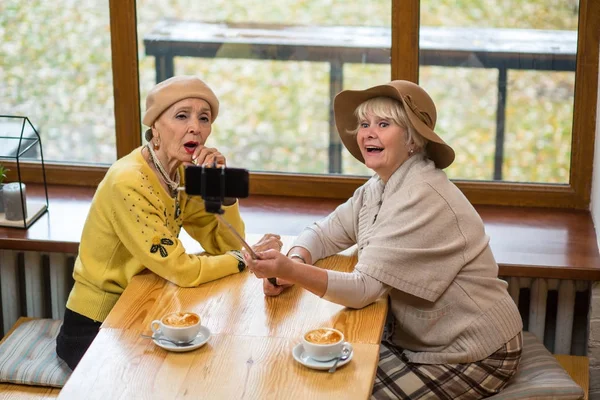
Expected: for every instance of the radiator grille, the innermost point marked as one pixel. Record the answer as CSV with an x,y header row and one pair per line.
x,y
556,311
33,284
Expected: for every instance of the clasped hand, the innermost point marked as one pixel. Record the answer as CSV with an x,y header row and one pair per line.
x,y
270,241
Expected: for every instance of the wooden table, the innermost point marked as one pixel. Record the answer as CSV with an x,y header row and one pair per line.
x,y
249,355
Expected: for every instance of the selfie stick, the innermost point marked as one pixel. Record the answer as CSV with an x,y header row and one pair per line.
x,y
215,207
273,281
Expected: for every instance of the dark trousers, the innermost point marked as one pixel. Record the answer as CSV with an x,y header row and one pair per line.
x,y
76,335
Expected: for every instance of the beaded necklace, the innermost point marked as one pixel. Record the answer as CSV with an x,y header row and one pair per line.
x,y
171,184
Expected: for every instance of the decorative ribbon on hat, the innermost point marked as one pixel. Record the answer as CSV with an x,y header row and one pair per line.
x,y
422,115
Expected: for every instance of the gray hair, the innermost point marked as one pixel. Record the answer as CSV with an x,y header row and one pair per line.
x,y
390,109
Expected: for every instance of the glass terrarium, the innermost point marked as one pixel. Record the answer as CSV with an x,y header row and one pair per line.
x,y
21,204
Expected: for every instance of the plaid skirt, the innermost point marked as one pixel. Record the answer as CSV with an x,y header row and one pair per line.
x,y
397,378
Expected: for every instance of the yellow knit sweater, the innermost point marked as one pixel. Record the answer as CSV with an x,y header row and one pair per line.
x,y
133,224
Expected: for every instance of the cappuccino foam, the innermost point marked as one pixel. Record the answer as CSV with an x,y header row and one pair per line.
x,y
181,319
323,336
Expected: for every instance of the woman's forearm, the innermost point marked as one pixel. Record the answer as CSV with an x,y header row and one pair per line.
x,y
309,277
354,289
300,253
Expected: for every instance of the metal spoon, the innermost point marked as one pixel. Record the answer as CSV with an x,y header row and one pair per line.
x,y
166,340
344,356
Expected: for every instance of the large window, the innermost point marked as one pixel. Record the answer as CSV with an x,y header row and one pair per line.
x,y
276,100
503,78
275,66
55,68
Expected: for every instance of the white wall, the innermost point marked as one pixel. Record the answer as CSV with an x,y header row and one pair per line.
x,y
594,313
595,201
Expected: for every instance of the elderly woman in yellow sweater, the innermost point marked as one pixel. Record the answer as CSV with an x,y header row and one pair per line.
x,y
137,214
453,332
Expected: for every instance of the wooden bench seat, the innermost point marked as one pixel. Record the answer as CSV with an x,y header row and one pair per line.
x,y
10,391
541,375
578,368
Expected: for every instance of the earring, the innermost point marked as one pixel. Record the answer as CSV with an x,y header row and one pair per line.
x,y
411,152
157,144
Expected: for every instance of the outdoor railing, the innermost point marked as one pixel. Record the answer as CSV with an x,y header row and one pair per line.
x,y
501,49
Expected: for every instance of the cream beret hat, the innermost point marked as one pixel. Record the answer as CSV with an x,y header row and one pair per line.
x,y
172,90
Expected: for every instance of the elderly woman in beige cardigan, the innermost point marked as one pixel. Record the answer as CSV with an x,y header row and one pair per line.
x,y
454,331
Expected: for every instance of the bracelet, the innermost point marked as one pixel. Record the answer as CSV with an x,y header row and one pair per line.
x,y
237,254
297,256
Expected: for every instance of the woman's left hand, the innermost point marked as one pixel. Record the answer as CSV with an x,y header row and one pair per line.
x,y
271,290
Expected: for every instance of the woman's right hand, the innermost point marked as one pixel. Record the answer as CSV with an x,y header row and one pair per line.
x,y
270,241
270,264
207,156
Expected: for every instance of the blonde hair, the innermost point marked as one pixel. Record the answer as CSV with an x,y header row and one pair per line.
x,y
390,109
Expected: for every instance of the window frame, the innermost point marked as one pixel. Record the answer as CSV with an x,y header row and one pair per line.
x,y
404,65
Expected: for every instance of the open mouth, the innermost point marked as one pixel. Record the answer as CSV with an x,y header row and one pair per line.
x,y
190,147
373,149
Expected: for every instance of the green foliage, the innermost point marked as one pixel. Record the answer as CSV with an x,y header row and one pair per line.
x,y
523,14
3,173
55,67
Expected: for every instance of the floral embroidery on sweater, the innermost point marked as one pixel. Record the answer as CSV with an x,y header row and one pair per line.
x,y
157,245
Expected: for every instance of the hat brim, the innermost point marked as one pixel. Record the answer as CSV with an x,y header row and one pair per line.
x,y
346,102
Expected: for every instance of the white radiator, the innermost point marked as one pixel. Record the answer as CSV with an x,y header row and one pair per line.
x,y
33,284
38,284
555,310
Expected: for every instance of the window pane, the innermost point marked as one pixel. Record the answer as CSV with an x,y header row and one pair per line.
x,y
55,68
503,79
271,64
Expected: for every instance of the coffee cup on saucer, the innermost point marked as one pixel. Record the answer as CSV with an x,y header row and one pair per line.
x,y
324,344
179,327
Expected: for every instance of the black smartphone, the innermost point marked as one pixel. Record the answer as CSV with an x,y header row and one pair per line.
x,y
217,183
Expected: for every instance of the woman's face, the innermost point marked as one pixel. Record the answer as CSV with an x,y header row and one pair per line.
x,y
382,144
182,128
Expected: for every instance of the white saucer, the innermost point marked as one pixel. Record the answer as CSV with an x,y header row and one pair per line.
x,y
199,341
302,358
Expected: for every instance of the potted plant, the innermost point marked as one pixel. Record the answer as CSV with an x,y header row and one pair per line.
x,y
3,172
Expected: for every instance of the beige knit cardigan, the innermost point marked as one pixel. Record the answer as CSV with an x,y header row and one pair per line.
x,y
420,235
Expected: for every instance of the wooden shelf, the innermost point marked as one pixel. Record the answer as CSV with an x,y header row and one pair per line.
x,y
34,210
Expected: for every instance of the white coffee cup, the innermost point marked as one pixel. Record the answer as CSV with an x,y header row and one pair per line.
x,y
324,344
180,327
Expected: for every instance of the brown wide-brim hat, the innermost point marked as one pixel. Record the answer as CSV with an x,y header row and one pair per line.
x,y
419,108
168,92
